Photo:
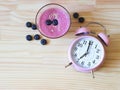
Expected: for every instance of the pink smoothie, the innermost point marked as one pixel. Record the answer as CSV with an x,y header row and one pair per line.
x,y
55,12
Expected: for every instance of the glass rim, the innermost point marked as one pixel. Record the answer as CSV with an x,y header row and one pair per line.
x,y
56,5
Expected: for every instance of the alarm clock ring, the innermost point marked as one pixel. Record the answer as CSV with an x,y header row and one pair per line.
x,y
86,53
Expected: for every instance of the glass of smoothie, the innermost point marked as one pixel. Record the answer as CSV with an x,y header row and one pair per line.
x,y
53,20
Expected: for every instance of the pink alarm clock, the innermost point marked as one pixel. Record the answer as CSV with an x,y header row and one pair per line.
x,y
87,52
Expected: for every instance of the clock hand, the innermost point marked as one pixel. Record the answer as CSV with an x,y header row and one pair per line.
x,y
83,55
88,46
86,51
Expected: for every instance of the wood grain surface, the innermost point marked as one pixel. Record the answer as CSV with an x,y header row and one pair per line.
x,y
31,66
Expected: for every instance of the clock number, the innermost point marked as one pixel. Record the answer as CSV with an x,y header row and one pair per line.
x,y
82,63
84,42
89,64
77,61
91,42
96,46
80,45
75,55
98,50
75,48
93,61
97,57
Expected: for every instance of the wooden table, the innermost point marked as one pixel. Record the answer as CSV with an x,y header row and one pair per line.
x,y
31,66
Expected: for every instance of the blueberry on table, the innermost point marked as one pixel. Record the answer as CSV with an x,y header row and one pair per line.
x,y
28,37
75,15
34,27
81,19
48,22
28,24
55,22
43,41
37,37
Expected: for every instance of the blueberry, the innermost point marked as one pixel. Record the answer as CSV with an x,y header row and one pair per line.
x,y
37,37
81,19
28,24
43,41
34,27
75,15
48,22
55,22
28,37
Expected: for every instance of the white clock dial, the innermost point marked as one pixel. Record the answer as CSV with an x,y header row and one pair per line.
x,y
87,52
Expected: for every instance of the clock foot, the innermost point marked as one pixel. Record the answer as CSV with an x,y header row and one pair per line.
x,y
68,65
92,72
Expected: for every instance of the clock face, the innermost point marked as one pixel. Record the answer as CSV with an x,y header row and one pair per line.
x,y
87,52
